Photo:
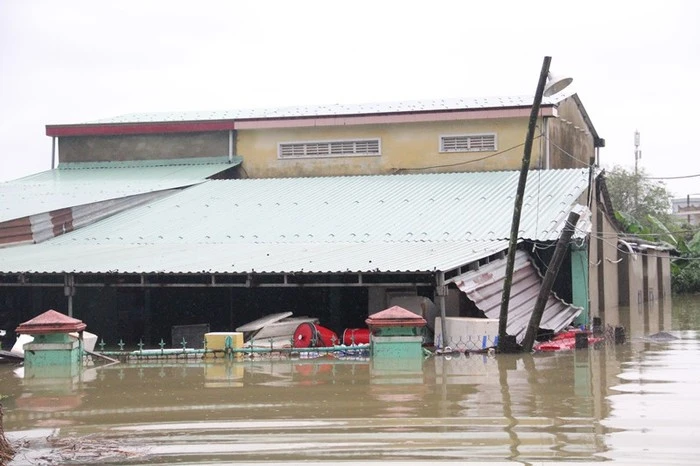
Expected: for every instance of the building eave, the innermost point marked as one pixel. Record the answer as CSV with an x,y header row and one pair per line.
x,y
391,118
133,128
597,140
119,129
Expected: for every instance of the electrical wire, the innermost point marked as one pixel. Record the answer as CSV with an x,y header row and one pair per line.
x,y
466,161
586,165
680,177
670,177
544,136
568,154
637,253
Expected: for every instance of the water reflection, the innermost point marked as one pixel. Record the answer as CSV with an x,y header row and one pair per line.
x,y
655,405
635,402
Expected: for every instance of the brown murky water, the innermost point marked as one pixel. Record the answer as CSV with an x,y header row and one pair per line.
x,y
637,403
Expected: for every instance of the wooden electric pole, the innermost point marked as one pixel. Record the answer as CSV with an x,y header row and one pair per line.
x,y
503,345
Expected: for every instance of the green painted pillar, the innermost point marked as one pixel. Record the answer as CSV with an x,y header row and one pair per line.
x,y
579,282
396,333
52,355
396,344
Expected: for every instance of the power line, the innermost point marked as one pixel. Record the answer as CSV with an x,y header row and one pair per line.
x,y
466,161
680,177
670,177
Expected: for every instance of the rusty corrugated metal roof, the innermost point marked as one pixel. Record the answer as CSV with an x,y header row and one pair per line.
x,y
485,288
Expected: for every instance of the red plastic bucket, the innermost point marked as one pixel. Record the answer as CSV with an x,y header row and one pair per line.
x,y
355,336
310,335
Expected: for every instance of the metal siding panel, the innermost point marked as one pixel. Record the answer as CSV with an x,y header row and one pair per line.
x,y
485,286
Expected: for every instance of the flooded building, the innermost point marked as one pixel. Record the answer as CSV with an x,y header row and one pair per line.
x,y
154,220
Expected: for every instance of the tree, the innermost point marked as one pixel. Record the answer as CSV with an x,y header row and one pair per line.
x,y
643,208
640,203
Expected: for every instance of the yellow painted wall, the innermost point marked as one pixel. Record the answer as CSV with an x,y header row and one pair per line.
x,y
405,147
571,143
604,274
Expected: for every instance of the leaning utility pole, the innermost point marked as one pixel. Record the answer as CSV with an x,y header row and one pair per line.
x,y
637,156
548,281
515,225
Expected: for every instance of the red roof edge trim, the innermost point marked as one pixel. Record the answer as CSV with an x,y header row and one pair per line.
x,y
112,129
115,129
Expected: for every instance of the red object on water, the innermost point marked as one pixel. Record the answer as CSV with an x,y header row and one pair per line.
x,y
355,336
564,341
310,335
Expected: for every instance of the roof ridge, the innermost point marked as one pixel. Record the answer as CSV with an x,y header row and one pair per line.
x,y
330,109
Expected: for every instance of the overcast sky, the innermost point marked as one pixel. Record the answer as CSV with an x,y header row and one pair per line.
x,y
635,64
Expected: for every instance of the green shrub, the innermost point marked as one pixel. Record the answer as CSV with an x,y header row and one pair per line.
x,y
686,279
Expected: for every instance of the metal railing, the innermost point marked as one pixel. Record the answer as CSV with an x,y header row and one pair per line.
x,y
251,349
609,335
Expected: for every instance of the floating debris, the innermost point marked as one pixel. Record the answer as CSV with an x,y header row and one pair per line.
x,y
661,337
7,452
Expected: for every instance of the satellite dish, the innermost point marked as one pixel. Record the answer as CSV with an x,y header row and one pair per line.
x,y
556,84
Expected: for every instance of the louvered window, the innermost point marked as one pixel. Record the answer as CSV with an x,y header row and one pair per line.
x,y
468,143
360,147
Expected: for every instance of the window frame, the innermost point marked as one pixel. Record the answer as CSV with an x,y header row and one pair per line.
x,y
329,153
441,142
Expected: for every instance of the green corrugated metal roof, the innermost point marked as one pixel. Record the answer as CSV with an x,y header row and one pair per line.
x,y
85,183
388,223
227,258
139,164
379,208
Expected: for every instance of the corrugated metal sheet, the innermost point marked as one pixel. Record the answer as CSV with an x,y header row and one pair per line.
x,y
48,225
114,257
80,184
40,227
364,223
485,288
332,110
391,208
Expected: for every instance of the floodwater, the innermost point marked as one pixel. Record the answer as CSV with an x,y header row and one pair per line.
x,y
635,403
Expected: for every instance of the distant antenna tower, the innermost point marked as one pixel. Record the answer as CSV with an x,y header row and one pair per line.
x,y
637,152
637,156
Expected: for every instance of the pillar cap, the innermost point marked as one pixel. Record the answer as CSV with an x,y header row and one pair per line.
x,y
50,322
395,316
